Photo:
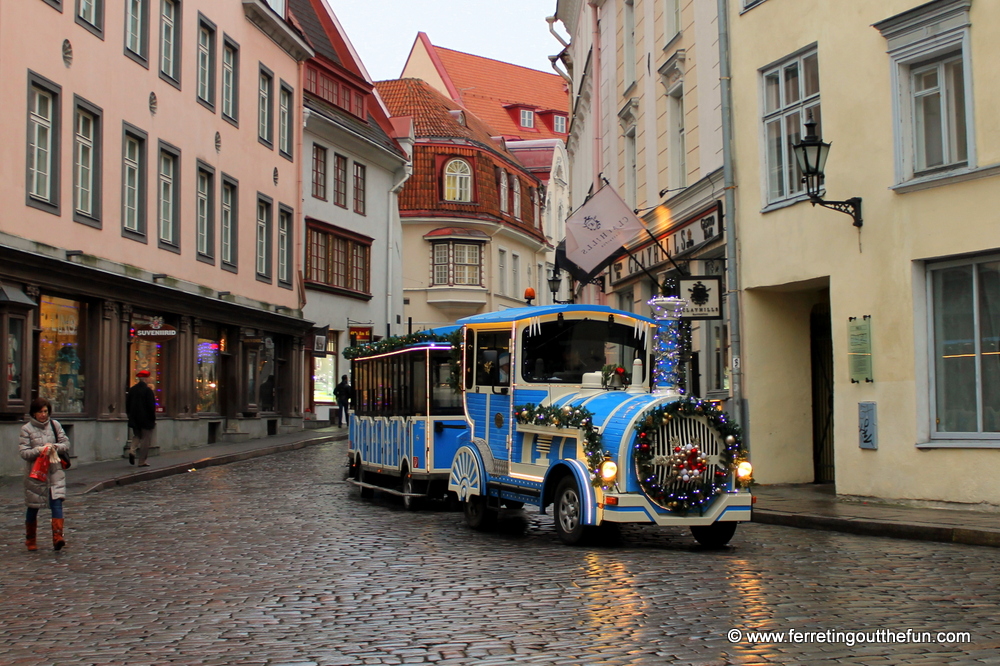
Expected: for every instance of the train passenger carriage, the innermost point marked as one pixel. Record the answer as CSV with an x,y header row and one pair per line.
x,y
406,421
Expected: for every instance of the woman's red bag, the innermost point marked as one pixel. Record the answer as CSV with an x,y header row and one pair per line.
x,y
40,470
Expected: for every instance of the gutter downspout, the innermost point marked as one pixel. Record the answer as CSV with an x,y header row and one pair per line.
x,y
732,247
598,144
391,219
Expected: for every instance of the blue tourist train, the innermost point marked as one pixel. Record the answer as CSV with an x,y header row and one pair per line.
x,y
572,407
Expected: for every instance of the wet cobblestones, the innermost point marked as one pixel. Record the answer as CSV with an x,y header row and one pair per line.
x,y
277,562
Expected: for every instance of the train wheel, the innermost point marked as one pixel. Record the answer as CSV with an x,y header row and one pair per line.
x,y
715,535
569,512
365,477
409,503
477,515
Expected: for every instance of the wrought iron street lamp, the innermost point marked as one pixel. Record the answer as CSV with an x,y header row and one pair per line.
x,y
555,283
811,154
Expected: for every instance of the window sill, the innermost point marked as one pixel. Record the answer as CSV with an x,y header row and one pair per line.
x,y
340,291
960,444
672,41
946,178
785,203
747,6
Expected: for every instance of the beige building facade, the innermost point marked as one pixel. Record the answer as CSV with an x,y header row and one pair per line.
x,y
646,120
871,354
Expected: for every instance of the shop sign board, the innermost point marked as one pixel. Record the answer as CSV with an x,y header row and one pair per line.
x,y
154,331
693,232
703,294
360,335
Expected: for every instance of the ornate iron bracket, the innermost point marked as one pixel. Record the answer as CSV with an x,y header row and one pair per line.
x,y
851,207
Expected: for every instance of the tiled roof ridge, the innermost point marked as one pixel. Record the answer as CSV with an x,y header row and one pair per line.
x,y
502,62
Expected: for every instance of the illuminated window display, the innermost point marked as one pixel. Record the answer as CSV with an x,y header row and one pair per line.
x,y
61,354
207,372
15,343
325,377
148,355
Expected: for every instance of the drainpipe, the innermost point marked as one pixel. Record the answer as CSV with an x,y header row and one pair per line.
x,y
596,46
391,217
732,249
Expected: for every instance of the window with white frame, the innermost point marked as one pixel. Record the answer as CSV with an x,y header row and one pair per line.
x,y
206,63
676,139
929,51
559,124
791,95
527,118
136,28
169,42
516,187
265,84
167,221
86,166
504,191
628,35
515,275
672,19
228,223
203,213
230,79
458,181
285,126
43,115
90,14
133,177
263,251
502,272
964,306
456,263
284,246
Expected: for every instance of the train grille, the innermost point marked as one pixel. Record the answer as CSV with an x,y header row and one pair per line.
x,y
671,456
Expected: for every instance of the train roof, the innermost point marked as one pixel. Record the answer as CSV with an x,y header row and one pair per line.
x,y
518,314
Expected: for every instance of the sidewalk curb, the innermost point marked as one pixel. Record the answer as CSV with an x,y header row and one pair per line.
x,y
865,527
183,468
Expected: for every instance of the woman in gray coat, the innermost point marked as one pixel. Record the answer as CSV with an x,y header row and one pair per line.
x,y
37,436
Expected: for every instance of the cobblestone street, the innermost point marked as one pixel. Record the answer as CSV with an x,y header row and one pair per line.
x,y
276,561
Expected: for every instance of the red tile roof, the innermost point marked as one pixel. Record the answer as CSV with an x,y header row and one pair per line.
x,y
487,86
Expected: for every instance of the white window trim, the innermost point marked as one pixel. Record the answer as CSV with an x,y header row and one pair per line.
x,y
42,168
909,44
166,191
203,201
527,118
84,180
204,67
462,181
229,80
134,41
228,191
924,367
131,198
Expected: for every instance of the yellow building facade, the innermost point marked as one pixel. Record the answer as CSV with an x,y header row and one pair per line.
x,y
871,354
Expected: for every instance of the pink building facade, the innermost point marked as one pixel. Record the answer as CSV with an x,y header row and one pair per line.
x,y
150,181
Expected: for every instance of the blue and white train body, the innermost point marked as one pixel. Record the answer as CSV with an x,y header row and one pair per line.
x,y
572,406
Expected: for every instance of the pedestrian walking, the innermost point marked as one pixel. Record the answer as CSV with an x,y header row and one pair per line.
x,y
344,393
140,406
43,436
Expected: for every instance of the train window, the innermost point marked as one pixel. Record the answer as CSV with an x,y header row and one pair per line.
x,y
444,400
493,359
562,351
470,350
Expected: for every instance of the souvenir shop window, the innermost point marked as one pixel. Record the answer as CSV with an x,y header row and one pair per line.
x,y
62,354
207,372
149,355
14,359
325,377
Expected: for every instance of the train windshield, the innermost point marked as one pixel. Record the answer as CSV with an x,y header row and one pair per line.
x,y
562,351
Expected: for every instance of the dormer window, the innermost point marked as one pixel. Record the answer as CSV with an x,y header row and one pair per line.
x,y
559,124
504,192
278,6
458,181
527,118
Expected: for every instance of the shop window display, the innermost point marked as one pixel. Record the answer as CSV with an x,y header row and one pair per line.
x,y
61,354
325,375
148,355
207,374
267,376
15,343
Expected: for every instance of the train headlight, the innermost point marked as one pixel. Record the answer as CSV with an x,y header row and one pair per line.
x,y
744,470
609,470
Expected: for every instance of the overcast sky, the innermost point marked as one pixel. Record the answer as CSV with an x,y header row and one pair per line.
x,y
383,31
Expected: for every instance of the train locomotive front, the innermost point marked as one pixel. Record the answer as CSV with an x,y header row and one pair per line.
x,y
571,407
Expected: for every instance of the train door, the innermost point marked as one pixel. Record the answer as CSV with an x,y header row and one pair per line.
x,y
492,386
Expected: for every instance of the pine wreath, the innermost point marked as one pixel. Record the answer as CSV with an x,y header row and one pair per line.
x,y
688,483
569,417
